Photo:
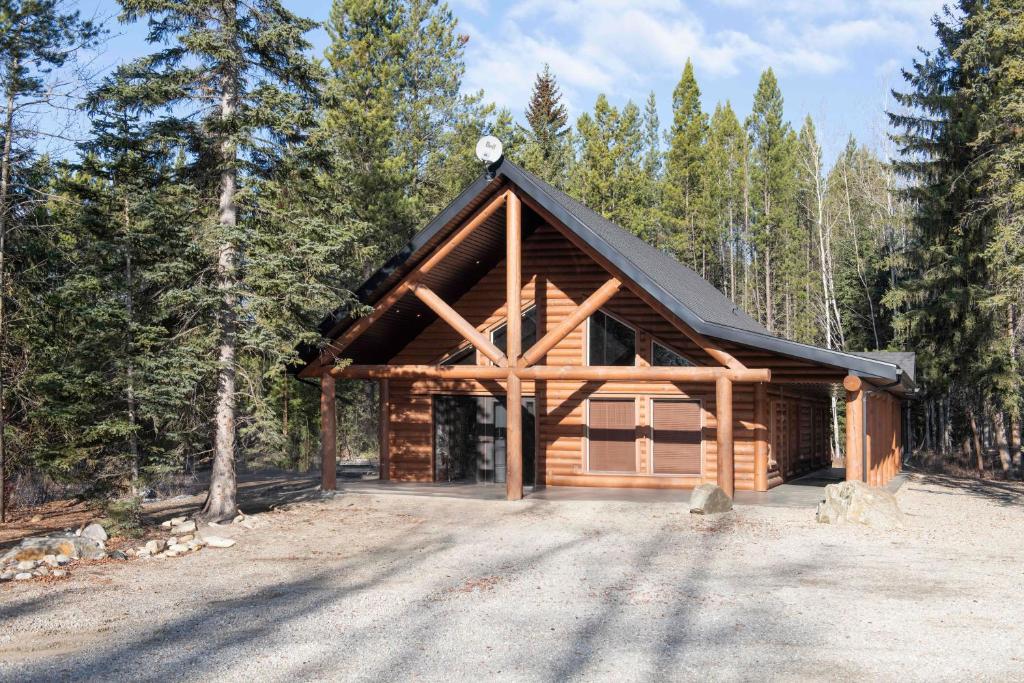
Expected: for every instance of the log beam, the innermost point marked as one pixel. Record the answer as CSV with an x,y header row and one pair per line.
x,y
454,372
335,347
636,373
760,436
328,434
724,435
593,302
514,306
384,438
854,428
581,373
465,329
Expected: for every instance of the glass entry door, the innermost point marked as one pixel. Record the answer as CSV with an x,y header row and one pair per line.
x,y
470,439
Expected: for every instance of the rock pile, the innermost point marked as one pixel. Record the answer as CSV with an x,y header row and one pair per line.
x,y
47,555
186,538
50,555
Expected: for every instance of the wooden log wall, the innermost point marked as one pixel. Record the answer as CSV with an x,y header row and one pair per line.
x,y
557,277
884,438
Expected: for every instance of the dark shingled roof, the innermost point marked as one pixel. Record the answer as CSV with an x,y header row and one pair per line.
x,y
684,284
685,293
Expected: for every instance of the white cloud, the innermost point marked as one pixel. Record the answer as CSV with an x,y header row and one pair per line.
x,y
621,47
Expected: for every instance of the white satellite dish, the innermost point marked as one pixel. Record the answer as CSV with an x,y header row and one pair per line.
x,y
488,149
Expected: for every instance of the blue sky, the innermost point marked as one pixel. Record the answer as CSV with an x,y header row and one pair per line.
x,y
835,59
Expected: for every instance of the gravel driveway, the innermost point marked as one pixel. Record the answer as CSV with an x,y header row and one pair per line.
x,y
396,587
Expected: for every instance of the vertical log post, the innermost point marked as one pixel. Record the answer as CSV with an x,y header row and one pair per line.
x,y
760,436
514,391
723,415
384,446
854,428
328,434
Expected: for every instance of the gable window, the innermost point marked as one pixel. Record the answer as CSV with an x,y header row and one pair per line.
x,y
610,341
611,435
662,356
464,356
499,337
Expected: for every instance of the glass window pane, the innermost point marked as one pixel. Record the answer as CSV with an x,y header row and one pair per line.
x,y
528,333
611,342
464,356
666,357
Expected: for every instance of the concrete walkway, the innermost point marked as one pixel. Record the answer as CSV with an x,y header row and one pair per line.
x,y
803,492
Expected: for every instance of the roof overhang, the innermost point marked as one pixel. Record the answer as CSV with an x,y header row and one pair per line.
x,y
877,371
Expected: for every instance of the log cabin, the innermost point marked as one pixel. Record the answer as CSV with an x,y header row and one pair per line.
x,y
619,367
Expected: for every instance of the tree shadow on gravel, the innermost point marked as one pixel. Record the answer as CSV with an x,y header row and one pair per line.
x,y
688,613
1000,492
12,609
192,645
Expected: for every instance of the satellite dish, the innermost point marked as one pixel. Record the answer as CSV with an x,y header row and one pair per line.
x,y
488,149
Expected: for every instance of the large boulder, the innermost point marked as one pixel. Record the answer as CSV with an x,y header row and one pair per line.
x,y
857,503
709,499
218,541
38,547
95,532
186,527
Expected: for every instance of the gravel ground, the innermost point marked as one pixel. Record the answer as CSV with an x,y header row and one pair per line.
x,y
395,587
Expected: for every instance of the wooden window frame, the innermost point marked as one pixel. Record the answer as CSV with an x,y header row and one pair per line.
x,y
661,343
636,339
636,442
649,432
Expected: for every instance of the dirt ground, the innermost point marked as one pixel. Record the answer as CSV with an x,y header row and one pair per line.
x,y
387,586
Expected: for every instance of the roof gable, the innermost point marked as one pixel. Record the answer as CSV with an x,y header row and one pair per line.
x,y
694,300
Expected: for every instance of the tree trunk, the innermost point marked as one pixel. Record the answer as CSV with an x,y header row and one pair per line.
x,y
768,304
1015,440
5,181
976,440
133,437
1002,443
221,502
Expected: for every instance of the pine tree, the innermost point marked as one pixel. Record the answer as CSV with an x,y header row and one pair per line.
x,y
395,115
940,300
547,149
725,178
684,176
993,50
230,77
773,180
36,37
609,174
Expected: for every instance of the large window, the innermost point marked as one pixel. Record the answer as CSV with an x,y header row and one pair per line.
x,y
675,437
611,342
662,356
611,435
499,337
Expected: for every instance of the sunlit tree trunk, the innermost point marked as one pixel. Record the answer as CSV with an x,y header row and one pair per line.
x,y
221,502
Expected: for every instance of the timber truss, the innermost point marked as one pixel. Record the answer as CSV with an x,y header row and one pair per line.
x,y
515,365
